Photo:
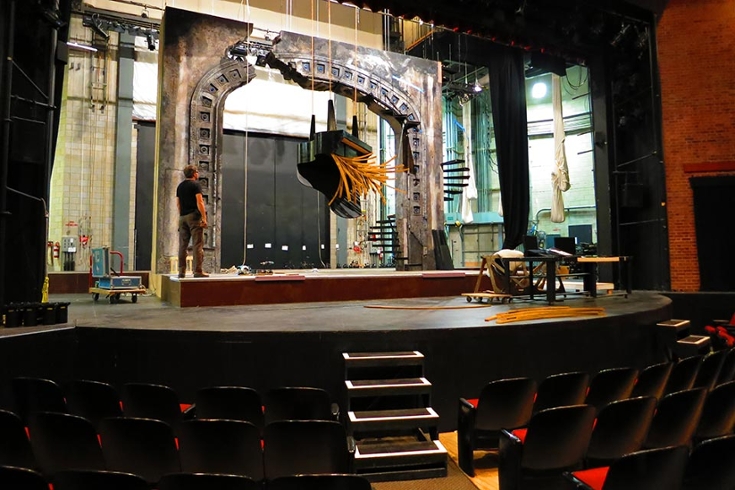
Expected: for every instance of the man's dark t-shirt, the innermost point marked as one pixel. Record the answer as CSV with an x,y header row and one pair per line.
x,y
187,193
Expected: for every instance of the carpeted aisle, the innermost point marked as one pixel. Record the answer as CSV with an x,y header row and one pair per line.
x,y
455,480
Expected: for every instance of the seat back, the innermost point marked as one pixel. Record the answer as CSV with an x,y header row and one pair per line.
x,y
320,482
557,438
207,481
230,402
97,480
62,441
676,418
152,401
221,446
15,478
709,370
93,400
293,447
727,372
610,385
710,465
505,404
33,395
683,374
644,470
297,403
562,389
718,413
652,380
621,428
15,448
145,447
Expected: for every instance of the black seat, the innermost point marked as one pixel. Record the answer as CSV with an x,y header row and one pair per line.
x,y
15,448
727,372
93,400
221,446
152,401
207,481
711,465
561,389
610,385
61,441
293,447
651,469
718,414
652,380
230,402
298,403
320,482
676,419
621,428
97,480
16,478
502,404
709,371
683,374
144,447
33,395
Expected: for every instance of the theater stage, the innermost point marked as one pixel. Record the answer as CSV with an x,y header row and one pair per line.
x,y
264,346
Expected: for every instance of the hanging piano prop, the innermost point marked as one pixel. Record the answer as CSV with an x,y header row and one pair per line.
x,y
455,178
340,166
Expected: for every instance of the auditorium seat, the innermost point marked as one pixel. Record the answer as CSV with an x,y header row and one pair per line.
x,y
727,372
718,413
93,400
650,469
709,370
620,428
230,402
502,404
221,446
561,389
710,465
15,448
144,447
299,403
207,481
683,374
652,380
676,419
555,441
61,441
610,385
97,480
16,478
32,395
293,447
320,482
152,401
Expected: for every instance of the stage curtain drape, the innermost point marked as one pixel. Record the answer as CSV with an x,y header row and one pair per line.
x,y
508,94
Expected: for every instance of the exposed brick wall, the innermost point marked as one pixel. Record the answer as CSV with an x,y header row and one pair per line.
x,y
696,54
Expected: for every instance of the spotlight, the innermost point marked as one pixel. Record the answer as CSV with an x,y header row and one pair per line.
x,y
151,42
477,87
538,91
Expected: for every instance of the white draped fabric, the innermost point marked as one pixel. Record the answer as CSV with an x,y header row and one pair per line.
x,y
560,175
470,191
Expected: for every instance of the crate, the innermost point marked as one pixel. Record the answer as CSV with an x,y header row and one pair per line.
x,y
119,282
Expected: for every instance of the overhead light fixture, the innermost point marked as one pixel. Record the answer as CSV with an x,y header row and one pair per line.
x,y
538,91
477,87
81,47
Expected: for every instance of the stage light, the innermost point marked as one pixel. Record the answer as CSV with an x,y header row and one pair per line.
x,y
151,42
538,91
477,87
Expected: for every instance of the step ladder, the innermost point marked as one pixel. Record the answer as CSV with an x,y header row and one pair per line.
x,y
389,415
677,337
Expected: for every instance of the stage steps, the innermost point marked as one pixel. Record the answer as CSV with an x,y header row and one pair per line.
x,y
679,340
389,414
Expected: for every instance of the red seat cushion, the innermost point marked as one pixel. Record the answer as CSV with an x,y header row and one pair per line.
x,y
473,401
594,477
520,434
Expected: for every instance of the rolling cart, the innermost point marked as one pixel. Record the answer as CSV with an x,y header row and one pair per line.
x,y
102,280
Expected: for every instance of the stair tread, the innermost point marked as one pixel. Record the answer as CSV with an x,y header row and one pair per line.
x,y
402,413
382,355
373,449
386,383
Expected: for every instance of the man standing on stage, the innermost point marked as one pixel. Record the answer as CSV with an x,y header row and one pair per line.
x,y
192,220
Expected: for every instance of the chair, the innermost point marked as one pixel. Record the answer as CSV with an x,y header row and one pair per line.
x,y
503,404
97,480
610,385
145,447
15,478
152,401
650,469
676,419
683,374
711,465
61,441
652,380
230,402
15,448
299,403
293,447
207,481
93,400
555,441
727,372
516,280
562,389
709,370
718,413
33,395
320,482
221,446
621,428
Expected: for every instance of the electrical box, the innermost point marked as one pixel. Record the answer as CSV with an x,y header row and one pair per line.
x,y
69,244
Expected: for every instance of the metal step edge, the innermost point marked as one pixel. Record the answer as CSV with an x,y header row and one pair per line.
x,y
440,449
424,383
382,355
432,415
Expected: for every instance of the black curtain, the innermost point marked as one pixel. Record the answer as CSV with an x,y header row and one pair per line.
x,y
508,95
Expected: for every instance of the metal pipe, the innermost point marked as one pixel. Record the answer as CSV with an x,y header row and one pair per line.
x,y
5,151
570,208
